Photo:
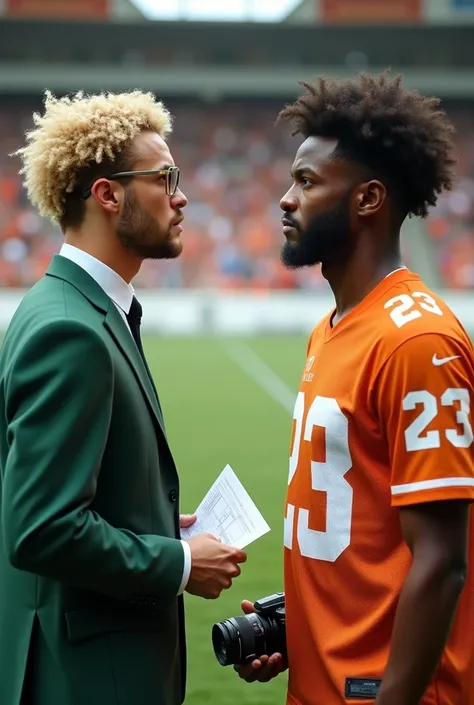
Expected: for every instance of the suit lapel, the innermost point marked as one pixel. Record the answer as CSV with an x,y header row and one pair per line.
x,y
62,268
118,330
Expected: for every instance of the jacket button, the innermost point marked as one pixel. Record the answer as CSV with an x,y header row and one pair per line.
x,y
173,496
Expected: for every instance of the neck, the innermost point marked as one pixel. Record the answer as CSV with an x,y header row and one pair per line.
x,y
352,281
106,250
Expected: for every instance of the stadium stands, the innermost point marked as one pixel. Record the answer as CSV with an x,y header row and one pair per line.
x,y
451,223
235,168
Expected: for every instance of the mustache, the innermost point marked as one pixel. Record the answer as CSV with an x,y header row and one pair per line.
x,y
179,217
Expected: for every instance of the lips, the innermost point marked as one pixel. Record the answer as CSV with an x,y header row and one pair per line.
x,y
287,223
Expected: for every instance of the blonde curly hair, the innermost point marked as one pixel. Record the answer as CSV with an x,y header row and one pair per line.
x,y
79,132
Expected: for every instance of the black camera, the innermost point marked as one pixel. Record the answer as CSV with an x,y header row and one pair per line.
x,y
252,635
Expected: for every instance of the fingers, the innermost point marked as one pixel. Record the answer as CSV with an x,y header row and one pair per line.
x,y
250,669
226,580
235,572
247,607
214,565
271,669
240,556
224,584
186,520
263,669
236,554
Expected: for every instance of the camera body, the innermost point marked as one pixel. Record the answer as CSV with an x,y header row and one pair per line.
x,y
237,639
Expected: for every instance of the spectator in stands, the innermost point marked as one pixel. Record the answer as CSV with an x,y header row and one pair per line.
x,y
233,176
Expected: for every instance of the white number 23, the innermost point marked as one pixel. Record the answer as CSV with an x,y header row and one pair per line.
x,y
329,476
414,440
407,310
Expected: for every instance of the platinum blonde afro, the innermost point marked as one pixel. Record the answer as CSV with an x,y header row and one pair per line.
x,y
77,131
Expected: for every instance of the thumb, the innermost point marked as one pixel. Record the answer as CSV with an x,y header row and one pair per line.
x,y
186,520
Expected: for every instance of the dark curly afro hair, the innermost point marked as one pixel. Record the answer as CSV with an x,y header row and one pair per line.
x,y
398,134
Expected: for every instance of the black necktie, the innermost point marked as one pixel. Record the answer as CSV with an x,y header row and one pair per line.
x,y
134,318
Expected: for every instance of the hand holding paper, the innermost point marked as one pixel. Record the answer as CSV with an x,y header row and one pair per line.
x,y
228,512
227,521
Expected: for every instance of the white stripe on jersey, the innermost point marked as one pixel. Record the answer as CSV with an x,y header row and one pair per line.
x,y
433,484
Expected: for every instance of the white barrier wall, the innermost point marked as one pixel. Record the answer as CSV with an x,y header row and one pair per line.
x,y
188,312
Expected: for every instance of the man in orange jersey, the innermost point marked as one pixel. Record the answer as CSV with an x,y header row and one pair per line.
x,y
378,529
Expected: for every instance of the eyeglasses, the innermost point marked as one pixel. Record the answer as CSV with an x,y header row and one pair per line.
x,y
171,173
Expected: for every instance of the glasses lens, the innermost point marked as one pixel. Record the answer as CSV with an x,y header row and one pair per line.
x,y
173,180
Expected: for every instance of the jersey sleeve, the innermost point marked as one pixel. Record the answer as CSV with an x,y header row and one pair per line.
x,y
424,396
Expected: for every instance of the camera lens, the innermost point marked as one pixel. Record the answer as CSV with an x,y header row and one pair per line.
x,y
233,640
237,638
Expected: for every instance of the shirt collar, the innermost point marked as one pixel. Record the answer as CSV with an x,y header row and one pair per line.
x,y
403,266
112,283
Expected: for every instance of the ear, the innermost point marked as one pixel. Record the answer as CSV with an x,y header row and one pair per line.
x,y
370,198
108,195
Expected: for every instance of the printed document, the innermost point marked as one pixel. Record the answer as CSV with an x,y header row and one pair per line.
x,y
228,512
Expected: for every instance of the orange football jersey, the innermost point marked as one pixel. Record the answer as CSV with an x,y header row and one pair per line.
x,y
382,420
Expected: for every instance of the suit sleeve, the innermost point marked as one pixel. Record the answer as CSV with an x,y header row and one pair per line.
x,y
425,397
59,394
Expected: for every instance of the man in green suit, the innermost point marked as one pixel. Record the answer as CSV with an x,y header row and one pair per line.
x,y
92,567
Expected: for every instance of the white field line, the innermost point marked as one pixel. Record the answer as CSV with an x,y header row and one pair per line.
x,y
258,370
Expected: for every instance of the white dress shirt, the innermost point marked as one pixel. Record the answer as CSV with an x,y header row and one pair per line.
x,y
121,294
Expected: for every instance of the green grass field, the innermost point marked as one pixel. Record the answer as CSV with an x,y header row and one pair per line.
x,y
216,414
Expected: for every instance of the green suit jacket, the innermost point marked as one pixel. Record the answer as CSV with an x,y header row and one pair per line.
x,y
90,561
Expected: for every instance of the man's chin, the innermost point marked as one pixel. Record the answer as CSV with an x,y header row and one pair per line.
x,y
293,257
171,249
174,248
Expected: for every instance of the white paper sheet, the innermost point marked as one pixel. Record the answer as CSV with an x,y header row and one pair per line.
x,y
228,512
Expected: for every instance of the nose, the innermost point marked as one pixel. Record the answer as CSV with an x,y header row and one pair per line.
x,y
288,203
178,200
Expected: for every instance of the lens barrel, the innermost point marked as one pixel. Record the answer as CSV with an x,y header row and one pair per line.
x,y
237,638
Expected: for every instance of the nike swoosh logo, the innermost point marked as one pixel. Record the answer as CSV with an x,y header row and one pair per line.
x,y
437,361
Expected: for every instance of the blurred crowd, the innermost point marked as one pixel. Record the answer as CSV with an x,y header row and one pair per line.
x,y
451,222
234,169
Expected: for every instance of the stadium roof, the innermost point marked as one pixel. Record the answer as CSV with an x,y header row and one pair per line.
x,y
228,11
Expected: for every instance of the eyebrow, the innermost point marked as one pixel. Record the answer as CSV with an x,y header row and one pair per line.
x,y
153,168
303,170
160,167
